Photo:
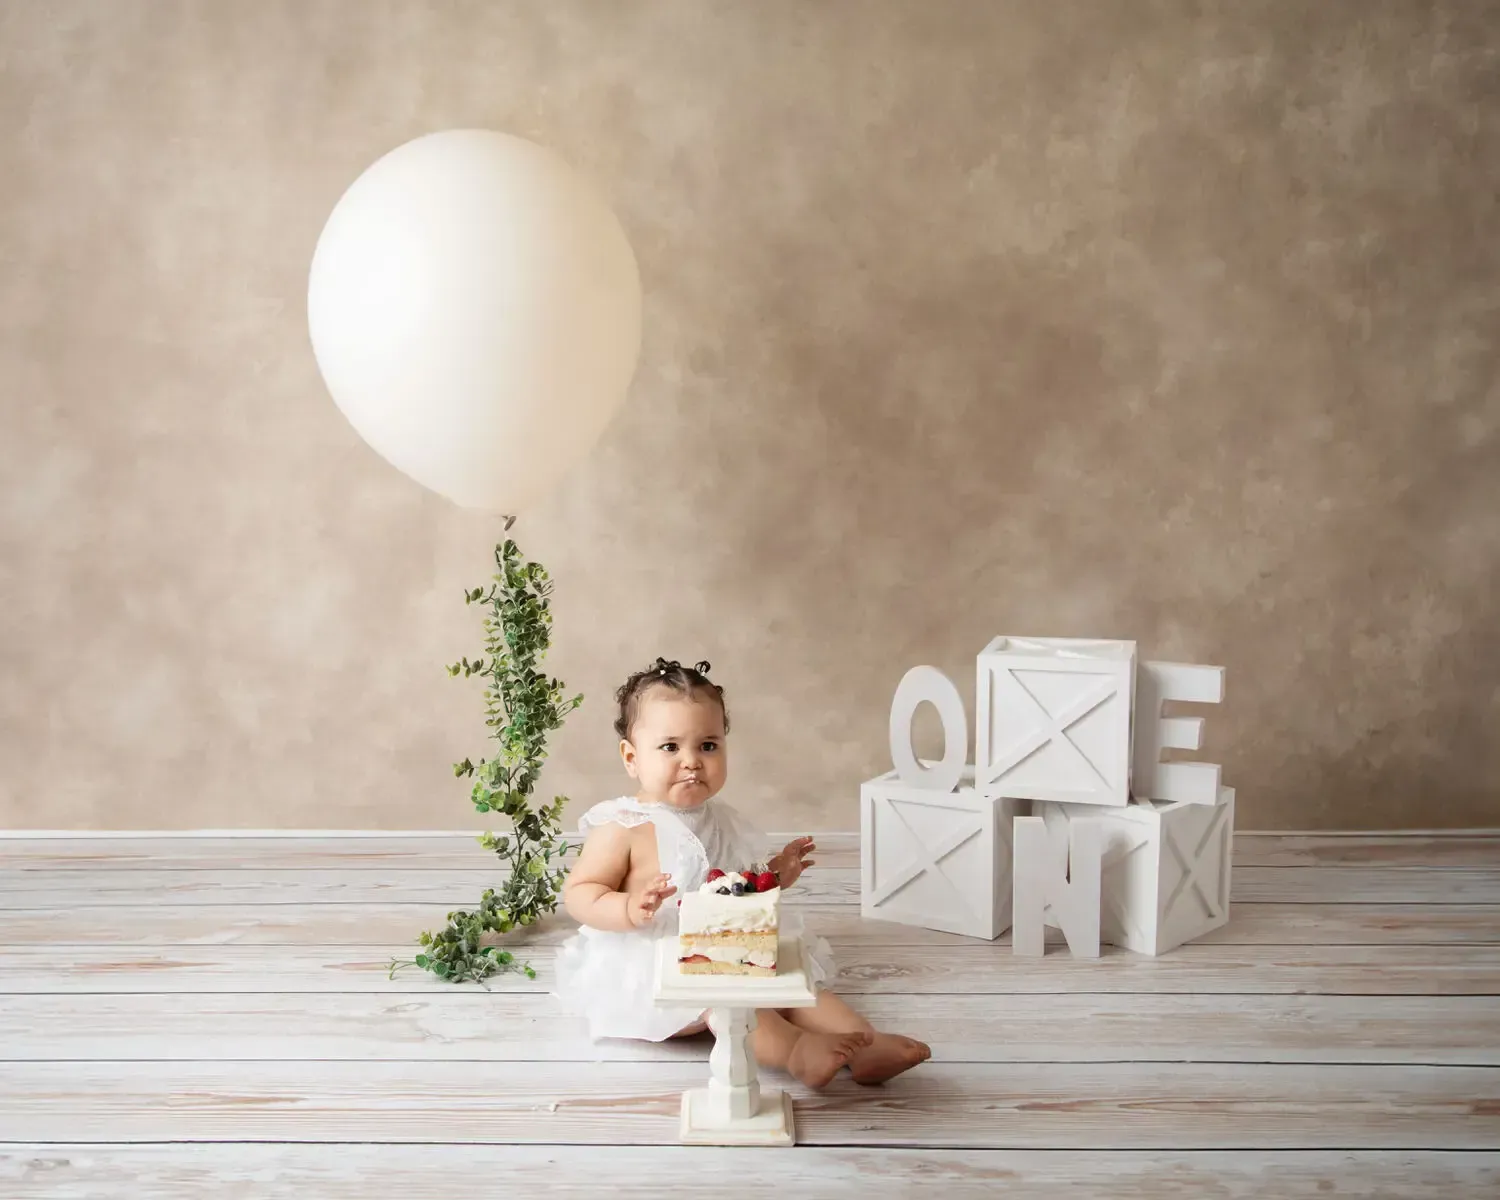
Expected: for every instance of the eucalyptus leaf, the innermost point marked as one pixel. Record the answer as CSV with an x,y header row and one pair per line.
x,y
521,706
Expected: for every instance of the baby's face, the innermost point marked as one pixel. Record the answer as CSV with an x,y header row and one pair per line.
x,y
676,748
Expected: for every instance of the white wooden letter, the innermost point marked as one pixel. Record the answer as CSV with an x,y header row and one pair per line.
x,y
931,685
1179,782
1056,877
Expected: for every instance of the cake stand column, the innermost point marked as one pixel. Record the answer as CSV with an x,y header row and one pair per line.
x,y
733,1085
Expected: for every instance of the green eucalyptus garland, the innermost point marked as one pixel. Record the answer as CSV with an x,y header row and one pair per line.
x,y
522,706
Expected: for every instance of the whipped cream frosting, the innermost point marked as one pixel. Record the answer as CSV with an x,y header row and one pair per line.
x,y
728,879
705,911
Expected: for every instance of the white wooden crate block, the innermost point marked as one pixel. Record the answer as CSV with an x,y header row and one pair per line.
x,y
1183,782
939,860
1057,881
1054,719
1166,868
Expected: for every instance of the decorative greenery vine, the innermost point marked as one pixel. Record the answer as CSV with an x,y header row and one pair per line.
x,y
522,706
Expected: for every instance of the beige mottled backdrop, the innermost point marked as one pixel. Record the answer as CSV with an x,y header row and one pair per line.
x,y
1167,321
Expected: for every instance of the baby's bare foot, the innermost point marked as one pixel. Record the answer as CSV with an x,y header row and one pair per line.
x,y
886,1057
816,1057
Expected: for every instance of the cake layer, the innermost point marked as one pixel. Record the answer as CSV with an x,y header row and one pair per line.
x,y
705,966
763,940
756,949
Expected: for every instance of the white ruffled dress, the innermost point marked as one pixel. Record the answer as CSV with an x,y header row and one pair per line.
x,y
606,977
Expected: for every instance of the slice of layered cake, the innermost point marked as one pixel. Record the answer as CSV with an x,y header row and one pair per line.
x,y
730,925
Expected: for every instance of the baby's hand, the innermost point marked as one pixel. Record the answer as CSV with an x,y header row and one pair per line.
x,y
793,860
641,906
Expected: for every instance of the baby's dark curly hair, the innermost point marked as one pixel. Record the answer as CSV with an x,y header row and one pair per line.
x,y
686,680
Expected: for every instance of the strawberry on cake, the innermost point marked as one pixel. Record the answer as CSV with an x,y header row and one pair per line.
x,y
730,925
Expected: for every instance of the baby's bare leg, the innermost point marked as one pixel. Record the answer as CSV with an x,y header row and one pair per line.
x,y
773,1038
885,1056
812,1056
830,1015
698,1026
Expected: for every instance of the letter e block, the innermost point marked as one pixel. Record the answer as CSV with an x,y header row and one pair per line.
x,y
1181,782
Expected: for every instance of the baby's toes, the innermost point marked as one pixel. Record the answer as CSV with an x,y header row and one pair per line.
x,y
911,1048
855,1042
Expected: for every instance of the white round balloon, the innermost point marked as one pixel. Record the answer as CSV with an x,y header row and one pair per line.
x,y
475,310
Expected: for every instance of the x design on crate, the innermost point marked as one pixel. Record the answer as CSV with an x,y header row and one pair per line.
x,y
1053,729
1193,866
925,858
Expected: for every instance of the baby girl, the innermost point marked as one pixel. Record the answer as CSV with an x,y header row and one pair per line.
x,y
640,850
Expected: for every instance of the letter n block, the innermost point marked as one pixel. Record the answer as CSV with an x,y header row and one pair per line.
x,y
1166,868
940,860
1054,719
1057,879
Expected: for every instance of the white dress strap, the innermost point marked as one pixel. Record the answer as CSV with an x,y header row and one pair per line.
x,y
679,853
688,841
622,810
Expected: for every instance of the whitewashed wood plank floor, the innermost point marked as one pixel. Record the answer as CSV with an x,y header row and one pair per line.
x,y
193,1016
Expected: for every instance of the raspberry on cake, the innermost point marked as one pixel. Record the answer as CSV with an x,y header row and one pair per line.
x,y
730,925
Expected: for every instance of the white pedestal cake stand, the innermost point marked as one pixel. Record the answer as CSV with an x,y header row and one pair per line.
x,y
733,1110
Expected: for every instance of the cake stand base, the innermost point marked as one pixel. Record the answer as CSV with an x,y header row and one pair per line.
x,y
771,1126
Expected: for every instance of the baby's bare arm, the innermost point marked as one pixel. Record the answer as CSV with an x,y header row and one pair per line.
x,y
593,892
